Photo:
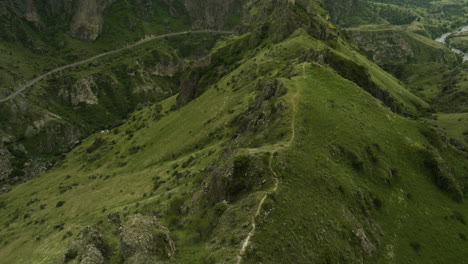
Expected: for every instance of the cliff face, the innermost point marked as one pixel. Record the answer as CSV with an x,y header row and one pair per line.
x,y
351,12
88,19
212,14
389,48
82,18
33,133
280,18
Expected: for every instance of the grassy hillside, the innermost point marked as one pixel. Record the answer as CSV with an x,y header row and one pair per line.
x,y
428,69
68,106
340,201
354,180
437,16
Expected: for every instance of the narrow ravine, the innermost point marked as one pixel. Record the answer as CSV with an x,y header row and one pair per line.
x,y
21,88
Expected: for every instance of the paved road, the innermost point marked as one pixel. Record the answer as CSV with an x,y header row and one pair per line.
x,y
40,78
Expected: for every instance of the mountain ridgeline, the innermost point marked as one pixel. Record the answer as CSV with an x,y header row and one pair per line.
x,y
293,131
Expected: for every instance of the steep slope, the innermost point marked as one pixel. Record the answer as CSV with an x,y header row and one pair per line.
x,y
356,203
67,106
59,111
288,147
400,42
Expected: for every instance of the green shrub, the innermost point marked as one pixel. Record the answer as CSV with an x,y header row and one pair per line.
x,y
70,255
134,149
240,179
415,245
96,144
443,175
220,207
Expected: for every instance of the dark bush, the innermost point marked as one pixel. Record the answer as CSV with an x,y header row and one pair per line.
x,y
431,136
96,144
462,236
70,255
134,149
220,207
59,226
415,245
188,162
459,217
240,179
60,204
377,203
174,212
443,175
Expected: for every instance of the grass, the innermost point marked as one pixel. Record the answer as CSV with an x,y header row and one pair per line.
x,y
352,186
333,199
455,124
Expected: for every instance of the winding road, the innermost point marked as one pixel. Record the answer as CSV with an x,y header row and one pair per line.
x,y
21,88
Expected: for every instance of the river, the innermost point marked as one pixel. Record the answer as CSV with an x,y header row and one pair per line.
x,y
443,39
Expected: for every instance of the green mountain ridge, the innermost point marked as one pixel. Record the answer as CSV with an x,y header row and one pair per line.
x,y
279,144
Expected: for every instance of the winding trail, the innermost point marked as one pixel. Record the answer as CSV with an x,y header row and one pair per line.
x,y
247,240
105,54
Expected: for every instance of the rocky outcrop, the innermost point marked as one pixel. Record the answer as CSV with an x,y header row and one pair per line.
x,y
58,137
81,92
396,47
5,166
88,20
279,19
89,248
168,66
212,13
144,240
30,13
30,135
341,10
189,85
82,18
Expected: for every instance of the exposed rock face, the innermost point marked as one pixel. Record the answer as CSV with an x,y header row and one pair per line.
x,y
340,9
81,92
30,130
83,18
5,166
89,248
189,85
87,23
278,19
211,13
168,66
144,240
31,14
398,47
92,255
59,137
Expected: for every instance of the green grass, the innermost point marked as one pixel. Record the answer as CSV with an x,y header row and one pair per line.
x,y
355,166
353,179
456,124
117,173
